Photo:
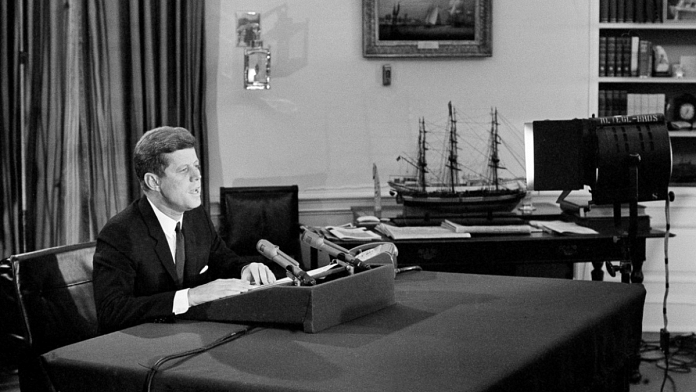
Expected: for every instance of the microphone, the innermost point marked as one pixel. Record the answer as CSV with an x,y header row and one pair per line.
x,y
318,242
272,252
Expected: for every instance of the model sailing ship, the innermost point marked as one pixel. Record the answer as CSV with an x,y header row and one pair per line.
x,y
450,193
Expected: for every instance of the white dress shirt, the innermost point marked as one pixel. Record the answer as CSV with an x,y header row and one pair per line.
x,y
181,303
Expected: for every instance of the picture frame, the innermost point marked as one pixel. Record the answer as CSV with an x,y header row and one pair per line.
x,y
679,11
427,28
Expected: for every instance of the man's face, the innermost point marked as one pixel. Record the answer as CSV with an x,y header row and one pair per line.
x,y
180,186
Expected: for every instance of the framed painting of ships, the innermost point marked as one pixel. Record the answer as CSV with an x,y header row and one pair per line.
x,y
427,28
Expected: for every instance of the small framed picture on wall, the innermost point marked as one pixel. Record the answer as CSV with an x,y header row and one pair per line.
x,y
683,11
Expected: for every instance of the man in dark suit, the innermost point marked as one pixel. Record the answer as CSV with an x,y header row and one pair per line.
x,y
135,263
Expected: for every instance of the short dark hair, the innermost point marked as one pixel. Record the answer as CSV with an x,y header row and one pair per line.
x,y
149,154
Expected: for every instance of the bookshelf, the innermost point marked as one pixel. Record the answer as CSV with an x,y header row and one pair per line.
x,y
621,84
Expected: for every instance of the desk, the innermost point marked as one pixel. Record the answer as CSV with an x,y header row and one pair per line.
x,y
538,254
446,332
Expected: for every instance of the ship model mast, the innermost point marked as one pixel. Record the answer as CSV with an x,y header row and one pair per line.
x,y
421,163
452,161
494,162
422,166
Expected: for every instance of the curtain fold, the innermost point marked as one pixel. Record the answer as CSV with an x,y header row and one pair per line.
x,y
99,73
11,145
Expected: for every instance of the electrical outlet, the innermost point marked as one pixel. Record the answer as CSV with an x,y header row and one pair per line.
x,y
386,75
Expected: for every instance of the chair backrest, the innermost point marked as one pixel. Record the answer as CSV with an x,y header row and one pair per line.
x,y
54,293
248,214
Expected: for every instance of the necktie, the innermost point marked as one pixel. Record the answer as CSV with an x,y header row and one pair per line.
x,y
180,253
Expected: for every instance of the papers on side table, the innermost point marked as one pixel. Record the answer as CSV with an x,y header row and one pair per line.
x,y
561,227
418,232
487,229
349,233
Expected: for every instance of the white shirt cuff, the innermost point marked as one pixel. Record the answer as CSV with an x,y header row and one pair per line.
x,y
181,303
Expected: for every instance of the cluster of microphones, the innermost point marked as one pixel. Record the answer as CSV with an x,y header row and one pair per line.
x,y
316,241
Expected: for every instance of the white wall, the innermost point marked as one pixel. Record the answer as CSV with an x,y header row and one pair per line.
x,y
327,117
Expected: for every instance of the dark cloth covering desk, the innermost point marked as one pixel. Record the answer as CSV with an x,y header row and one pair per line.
x,y
446,332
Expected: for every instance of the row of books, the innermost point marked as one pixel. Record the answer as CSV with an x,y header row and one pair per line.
x,y
622,103
631,11
625,56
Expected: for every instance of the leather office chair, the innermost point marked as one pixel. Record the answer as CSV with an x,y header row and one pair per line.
x,y
54,303
248,214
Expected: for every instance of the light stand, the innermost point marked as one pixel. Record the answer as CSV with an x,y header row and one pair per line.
x,y
623,159
628,274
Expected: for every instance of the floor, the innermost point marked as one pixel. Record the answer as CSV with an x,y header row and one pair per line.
x,y
682,366
681,375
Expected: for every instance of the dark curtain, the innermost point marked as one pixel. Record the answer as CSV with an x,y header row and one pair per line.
x,y
10,162
98,74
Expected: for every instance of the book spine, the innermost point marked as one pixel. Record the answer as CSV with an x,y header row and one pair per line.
x,y
613,5
602,105
630,11
650,11
660,104
626,49
659,8
644,104
602,56
621,10
639,11
644,61
630,104
611,56
635,47
618,69
611,104
603,11
652,103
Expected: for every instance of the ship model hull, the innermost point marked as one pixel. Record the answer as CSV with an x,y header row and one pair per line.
x,y
481,201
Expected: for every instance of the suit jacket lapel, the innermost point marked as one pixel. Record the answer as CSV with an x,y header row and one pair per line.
x,y
155,230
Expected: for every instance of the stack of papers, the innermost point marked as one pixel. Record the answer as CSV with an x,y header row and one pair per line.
x,y
488,229
418,232
561,227
346,233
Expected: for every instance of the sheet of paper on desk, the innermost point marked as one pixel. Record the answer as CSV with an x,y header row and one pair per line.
x,y
312,273
359,233
561,227
492,229
418,232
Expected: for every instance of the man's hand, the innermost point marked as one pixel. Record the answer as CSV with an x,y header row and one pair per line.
x,y
258,273
216,289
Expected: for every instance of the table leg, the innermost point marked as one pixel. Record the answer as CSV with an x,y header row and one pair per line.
x,y
597,273
638,260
